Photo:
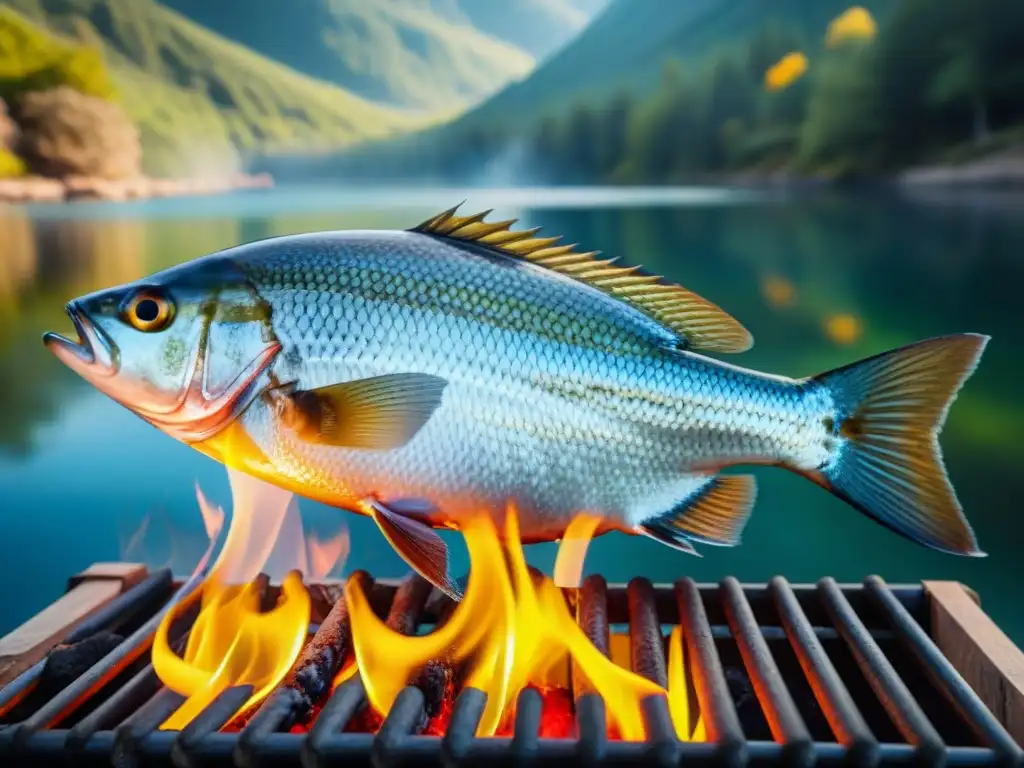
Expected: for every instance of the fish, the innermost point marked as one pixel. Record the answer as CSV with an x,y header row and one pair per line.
x,y
465,367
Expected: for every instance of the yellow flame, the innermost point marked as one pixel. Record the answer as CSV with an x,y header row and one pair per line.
x,y
232,642
785,71
572,550
854,23
509,629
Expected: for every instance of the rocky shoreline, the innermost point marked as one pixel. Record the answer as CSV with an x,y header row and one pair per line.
x,y
41,189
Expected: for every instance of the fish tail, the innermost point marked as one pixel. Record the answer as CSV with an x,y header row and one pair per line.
x,y
885,460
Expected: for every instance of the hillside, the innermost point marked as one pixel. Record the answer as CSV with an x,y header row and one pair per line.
x,y
424,55
539,27
199,98
629,42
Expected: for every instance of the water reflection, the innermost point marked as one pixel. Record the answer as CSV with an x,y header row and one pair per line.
x,y
819,282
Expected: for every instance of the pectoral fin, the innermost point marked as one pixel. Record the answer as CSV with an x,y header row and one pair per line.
x,y
377,413
418,544
715,513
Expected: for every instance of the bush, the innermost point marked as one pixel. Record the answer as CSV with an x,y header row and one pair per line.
x,y
11,166
31,59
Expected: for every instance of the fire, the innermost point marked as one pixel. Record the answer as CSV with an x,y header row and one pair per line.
x,y
572,550
233,642
510,631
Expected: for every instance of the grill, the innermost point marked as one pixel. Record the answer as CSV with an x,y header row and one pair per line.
x,y
827,673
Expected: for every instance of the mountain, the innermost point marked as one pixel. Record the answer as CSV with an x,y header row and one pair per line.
x,y
423,54
539,27
629,42
199,97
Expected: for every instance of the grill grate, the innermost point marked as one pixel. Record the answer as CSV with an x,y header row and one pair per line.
x,y
783,674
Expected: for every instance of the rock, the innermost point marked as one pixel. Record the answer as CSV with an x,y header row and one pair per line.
x,y
8,128
36,189
31,189
66,133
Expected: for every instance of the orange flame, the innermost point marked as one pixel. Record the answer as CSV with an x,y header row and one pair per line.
x,y
327,556
232,642
509,630
572,550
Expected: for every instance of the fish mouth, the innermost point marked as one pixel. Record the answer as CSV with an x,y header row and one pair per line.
x,y
93,351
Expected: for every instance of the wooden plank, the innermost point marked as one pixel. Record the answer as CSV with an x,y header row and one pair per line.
x,y
89,591
129,574
988,660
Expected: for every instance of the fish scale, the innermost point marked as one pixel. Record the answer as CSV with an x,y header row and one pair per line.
x,y
598,412
427,376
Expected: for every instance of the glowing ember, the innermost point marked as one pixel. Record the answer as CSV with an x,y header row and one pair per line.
x,y
572,550
232,642
508,631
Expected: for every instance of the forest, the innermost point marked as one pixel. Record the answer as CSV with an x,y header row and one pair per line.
x,y
935,81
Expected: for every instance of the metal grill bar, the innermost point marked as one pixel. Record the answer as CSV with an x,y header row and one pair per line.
x,y
662,742
279,710
323,744
460,736
772,693
716,705
116,709
646,643
308,682
128,737
591,718
405,715
646,609
967,703
842,714
891,691
647,659
214,717
526,733
90,683
137,600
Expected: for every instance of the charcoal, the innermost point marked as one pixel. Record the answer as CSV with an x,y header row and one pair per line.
x,y
63,665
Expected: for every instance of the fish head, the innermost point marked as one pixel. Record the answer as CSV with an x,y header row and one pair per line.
x,y
187,349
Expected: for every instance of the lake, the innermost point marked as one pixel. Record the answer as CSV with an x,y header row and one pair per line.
x,y
820,279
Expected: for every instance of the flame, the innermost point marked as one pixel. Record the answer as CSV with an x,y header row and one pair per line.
x,y
508,629
854,23
572,550
327,556
785,71
232,642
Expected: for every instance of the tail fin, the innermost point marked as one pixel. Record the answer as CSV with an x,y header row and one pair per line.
x,y
889,411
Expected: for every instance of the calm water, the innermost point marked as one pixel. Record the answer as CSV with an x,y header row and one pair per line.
x,y
820,282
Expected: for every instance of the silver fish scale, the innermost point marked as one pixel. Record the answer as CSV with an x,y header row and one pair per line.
x,y
559,397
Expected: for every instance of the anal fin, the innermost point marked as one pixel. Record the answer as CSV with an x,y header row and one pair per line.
x,y
418,544
714,514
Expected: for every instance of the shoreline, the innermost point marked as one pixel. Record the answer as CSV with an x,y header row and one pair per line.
x,y
40,189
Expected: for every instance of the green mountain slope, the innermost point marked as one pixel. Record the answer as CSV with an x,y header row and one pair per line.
x,y
199,97
404,52
537,26
629,42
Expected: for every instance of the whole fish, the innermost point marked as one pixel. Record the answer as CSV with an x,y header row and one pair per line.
x,y
424,376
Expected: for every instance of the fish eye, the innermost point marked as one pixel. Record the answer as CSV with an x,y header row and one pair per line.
x,y
148,311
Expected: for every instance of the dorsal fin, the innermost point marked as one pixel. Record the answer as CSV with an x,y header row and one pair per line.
x,y
702,324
